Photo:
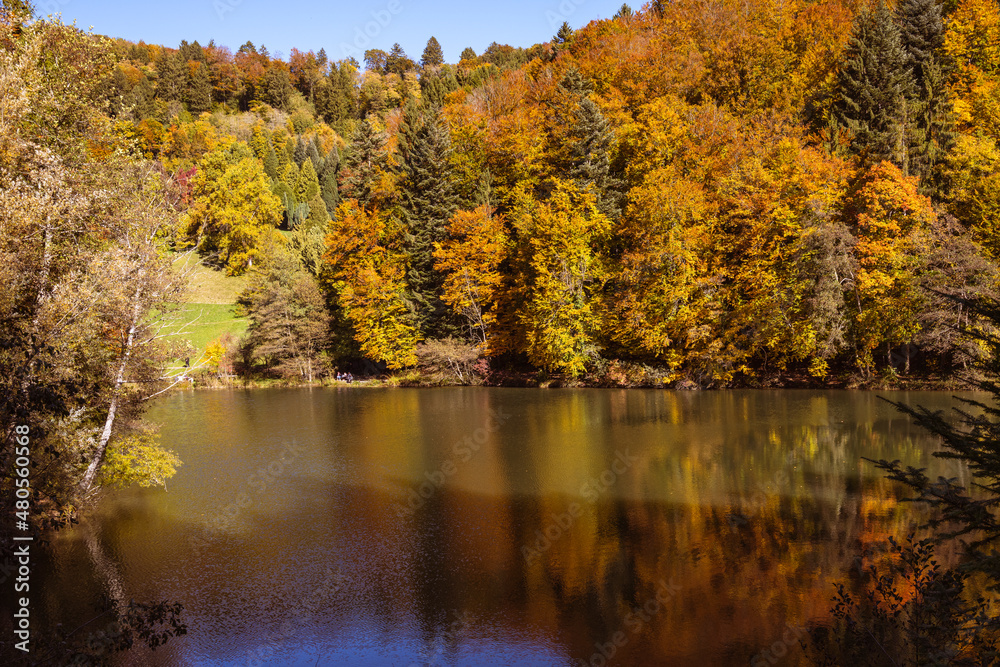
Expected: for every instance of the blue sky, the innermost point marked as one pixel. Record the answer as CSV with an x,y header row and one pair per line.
x,y
342,28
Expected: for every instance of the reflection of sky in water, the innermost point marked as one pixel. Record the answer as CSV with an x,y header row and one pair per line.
x,y
296,532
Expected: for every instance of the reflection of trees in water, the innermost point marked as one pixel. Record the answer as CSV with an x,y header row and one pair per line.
x,y
789,464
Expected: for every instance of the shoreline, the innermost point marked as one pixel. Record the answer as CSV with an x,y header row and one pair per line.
x,y
535,380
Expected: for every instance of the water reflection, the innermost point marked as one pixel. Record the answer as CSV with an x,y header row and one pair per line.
x,y
491,526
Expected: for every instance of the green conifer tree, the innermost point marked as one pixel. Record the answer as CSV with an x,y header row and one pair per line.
x,y
433,55
590,160
301,152
428,200
318,214
931,129
329,190
312,152
397,61
271,165
199,89
872,88
259,141
364,161
290,177
307,187
170,76
278,145
434,89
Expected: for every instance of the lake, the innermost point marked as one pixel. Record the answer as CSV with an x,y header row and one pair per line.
x,y
487,526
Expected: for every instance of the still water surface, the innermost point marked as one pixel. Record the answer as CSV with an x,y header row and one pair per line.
x,y
483,526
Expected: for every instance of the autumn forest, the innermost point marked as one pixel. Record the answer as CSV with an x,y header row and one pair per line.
x,y
691,193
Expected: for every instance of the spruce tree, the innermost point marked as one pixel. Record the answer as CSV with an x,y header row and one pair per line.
x,y
259,141
300,153
312,152
872,88
397,62
434,89
930,131
323,100
428,200
307,187
590,160
365,160
468,53
290,177
573,82
433,55
271,167
280,190
318,214
564,35
199,90
921,34
171,78
278,145
328,179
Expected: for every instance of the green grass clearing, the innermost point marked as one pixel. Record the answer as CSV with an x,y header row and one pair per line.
x,y
201,323
207,285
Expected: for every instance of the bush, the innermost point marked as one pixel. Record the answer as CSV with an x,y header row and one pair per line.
x,y
449,359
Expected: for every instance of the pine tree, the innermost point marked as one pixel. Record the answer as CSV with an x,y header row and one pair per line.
x,y
468,53
872,88
433,55
429,199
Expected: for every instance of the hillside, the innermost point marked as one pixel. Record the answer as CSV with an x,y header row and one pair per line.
x,y
698,192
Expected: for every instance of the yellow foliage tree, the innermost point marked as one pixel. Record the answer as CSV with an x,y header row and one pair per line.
x,y
890,220
559,272
364,270
471,259
233,212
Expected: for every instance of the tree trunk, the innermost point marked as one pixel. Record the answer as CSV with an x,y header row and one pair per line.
x,y
102,445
